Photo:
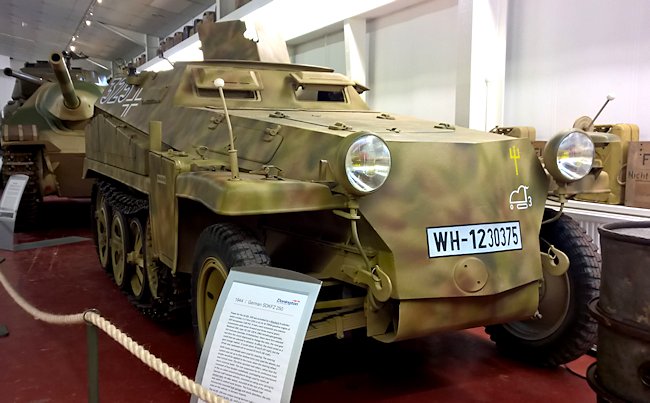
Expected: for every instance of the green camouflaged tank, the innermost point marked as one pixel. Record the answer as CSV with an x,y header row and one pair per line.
x,y
413,226
43,132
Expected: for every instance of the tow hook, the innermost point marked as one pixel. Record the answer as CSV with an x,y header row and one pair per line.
x,y
555,262
377,280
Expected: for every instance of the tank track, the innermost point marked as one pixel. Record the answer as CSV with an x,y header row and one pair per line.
x,y
24,162
173,303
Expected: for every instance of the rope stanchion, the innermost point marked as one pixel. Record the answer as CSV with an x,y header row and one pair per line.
x,y
94,318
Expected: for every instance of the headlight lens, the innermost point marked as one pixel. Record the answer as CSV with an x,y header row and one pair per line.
x,y
569,156
367,164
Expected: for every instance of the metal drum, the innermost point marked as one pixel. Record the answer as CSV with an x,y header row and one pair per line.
x,y
622,372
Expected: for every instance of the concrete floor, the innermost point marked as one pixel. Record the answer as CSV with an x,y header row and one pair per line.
x,y
46,363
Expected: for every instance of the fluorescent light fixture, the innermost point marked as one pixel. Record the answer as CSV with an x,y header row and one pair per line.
x,y
89,60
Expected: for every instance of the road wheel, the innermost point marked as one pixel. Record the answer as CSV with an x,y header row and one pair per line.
x,y
101,213
152,265
120,245
565,330
135,259
220,247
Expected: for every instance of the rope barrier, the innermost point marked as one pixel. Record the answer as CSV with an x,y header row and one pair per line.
x,y
120,337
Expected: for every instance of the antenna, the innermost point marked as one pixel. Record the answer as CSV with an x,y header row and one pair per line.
x,y
232,152
610,97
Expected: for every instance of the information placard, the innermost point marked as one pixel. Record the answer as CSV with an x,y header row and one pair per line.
x,y
9,203
253,345
12,194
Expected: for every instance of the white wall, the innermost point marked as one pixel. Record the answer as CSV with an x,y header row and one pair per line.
x,y
326,51
564,57
6,83
412,61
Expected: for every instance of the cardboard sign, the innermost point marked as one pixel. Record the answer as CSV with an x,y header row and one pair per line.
x,y
253,345
637,187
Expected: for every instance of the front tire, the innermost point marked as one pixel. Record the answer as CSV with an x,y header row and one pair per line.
x,y
565,330
219,248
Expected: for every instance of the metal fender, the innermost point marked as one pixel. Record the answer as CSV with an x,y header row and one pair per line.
x,y
255,194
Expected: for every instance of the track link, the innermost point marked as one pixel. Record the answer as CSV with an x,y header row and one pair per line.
x,y
174,290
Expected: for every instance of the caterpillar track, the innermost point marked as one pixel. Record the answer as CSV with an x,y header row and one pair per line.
x,y
25,160
172,301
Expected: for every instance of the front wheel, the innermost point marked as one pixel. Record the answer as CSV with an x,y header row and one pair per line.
x,y
219,248
564,329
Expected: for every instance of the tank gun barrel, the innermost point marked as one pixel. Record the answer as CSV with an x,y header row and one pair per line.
x,y
70,99
23,76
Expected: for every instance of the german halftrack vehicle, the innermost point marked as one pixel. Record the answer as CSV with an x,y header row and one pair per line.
x,y
413,226
43,132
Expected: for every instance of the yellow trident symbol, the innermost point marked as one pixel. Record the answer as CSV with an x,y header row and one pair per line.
x,y
514,155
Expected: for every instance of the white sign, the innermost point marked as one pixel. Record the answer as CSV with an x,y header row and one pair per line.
x,y
474,239
12,193
9,203
252,348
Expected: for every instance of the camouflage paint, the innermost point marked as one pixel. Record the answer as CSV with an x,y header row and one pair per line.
x,y
59,130
441,176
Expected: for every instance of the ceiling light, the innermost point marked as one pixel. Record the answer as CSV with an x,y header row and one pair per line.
x,y
99,1
91,14
74,39
88,22
73,48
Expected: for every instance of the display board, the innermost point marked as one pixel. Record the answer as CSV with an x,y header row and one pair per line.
x,y
9,203
254,341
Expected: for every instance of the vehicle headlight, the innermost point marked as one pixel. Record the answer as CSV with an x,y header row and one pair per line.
x,y
569,156
363,163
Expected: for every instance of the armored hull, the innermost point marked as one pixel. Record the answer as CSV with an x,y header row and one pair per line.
x,y
414,226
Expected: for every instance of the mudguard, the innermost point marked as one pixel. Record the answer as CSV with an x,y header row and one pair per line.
x,y
255,194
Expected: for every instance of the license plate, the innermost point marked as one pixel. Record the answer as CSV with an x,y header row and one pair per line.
x,y
474,239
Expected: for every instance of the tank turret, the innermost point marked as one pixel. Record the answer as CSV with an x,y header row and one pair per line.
x,y
43,132
68,106
26,85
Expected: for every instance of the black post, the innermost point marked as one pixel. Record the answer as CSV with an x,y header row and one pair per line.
x,y
92,361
